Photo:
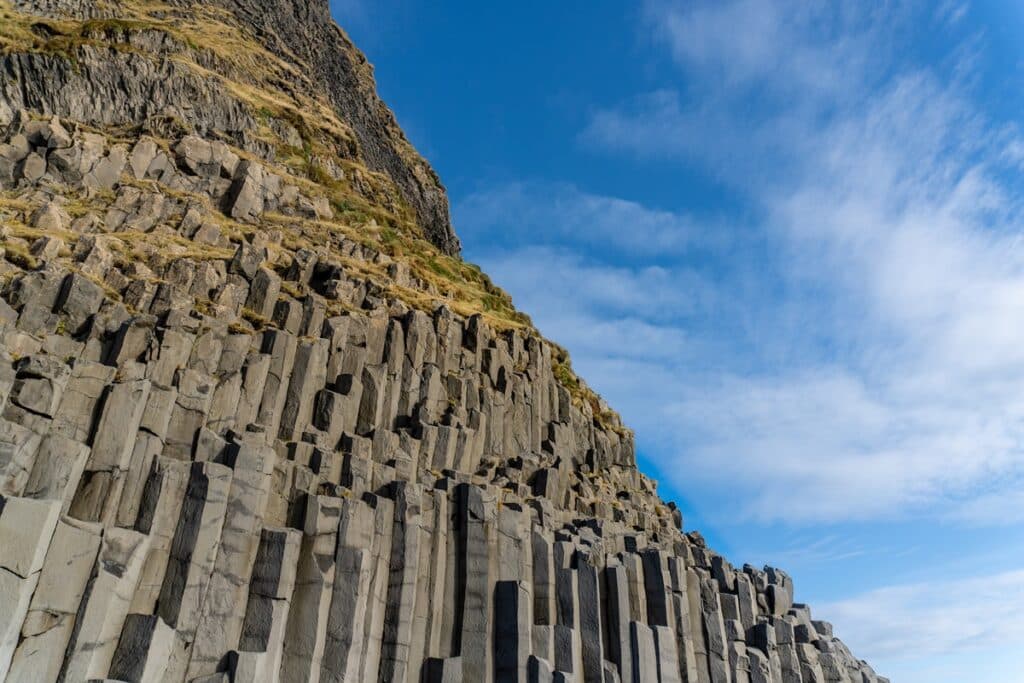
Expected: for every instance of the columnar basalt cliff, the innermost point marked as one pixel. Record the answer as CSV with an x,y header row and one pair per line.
x,y
260,422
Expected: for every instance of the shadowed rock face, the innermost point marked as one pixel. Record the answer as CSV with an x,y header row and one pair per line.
x,y
257,425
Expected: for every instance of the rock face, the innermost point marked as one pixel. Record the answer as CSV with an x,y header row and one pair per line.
x,y
295,49
257,423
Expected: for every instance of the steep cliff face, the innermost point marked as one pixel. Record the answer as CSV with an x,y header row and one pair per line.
x,y
258,422
306,30
225,66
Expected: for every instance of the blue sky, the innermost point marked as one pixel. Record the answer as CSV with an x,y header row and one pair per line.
x,y
783,238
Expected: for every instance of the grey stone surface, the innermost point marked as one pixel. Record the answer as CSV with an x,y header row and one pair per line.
x,y
102,613
51,615
143,649
511,631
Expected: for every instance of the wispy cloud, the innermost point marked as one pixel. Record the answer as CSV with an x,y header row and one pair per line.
x,y
1002,504
866,360
809,48
574,283
809,548
756,75
904,223
933,618
560,214
952,11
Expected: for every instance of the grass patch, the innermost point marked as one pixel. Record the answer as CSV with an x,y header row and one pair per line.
x,y
20,256
583,396
257,321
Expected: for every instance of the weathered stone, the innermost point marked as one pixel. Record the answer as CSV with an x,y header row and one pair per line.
x,y
511,631
403,564
99,492
270,591
142,156
644,662
739,662
51,615
57,469
343,654
107,171
15,594
223,612
309,374
474,580
26,527
103,612
245,198
280,347
714,631
79,300
538,670
18,447
371,405
306,631
188,415
158,514
76,416
247,260
380,552
591,647
193,550
448,670
617,615
143,649
263,293
40,383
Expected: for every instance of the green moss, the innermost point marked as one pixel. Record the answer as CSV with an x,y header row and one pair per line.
x,y
319,175
561,367
102,28
264,115
562,370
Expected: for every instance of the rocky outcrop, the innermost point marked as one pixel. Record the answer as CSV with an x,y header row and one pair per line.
x,y
124,65
256,426
342,73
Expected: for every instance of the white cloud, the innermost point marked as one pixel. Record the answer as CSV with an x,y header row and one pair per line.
x,y
952,11
822,446
902,224
559,213
1004,504
572,282
933,618
757,74
809,548
797,45
659,125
